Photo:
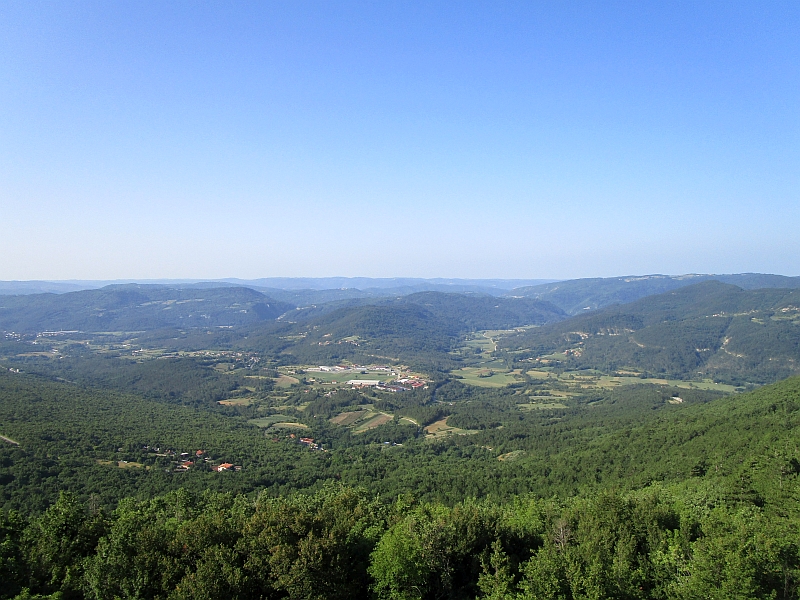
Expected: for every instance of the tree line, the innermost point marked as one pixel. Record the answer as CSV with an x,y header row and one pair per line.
x,y
342,542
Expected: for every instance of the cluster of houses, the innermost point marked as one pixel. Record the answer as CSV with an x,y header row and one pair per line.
x,y
186,460
307,441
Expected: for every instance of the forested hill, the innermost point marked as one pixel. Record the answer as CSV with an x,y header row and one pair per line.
x,y
579,295
465,311
137,308
419,328
707,329
470,312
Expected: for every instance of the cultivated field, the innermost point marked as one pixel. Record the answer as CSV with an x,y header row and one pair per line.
x,y
441,428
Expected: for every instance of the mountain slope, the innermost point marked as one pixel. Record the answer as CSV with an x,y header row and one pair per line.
x,y
707,329
418,327
136,308
579,295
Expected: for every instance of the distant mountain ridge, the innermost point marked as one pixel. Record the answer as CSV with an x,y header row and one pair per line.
x,y
364,286
572,296
137,307
578,295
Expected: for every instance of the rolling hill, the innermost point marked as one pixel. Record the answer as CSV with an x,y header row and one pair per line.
x,y
580,295
709,329
418,327
137,308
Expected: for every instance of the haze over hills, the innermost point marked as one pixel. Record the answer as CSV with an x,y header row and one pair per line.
x,y
572,296
579,295
135,307
360,286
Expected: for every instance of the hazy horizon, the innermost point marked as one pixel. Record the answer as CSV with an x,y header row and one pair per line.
x,y
548,141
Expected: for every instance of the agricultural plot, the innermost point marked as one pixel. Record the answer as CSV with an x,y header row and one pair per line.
x,y
288,425
486,371
285,381
270,420
440,428
704,384
376,421
346,419
480,346
487,377
363,419
572,383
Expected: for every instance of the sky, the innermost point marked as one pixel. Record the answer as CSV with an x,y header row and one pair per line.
x,y
398,139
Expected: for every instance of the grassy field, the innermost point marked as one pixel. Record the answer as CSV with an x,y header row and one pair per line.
x,y
441,428
285,381
486,377
376,420
362,419
269,421
289,425
485,370
346,419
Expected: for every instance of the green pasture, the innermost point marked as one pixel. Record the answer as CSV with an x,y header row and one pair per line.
x,y
289,425
285,381
376,420
479,376
238,401
346,419
269,420
441,428
587,380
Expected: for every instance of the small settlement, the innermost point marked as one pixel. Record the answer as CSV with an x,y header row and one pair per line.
x,y
184,461
403,383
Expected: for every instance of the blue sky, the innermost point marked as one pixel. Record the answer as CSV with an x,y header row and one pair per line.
x,y
491,139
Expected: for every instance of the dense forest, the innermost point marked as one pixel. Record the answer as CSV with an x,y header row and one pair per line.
x,y
207,461
137,307
726,527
